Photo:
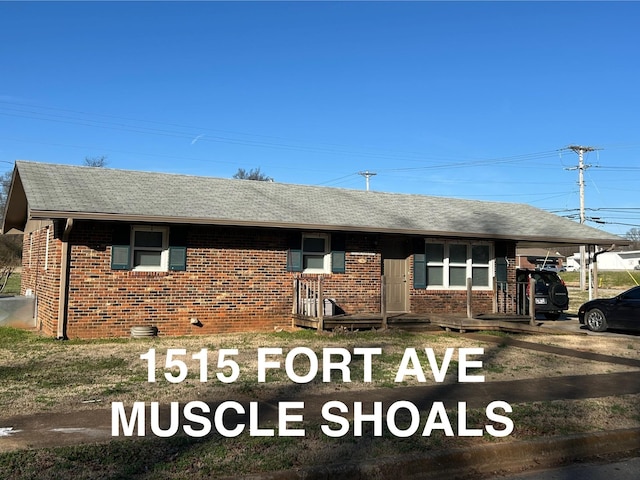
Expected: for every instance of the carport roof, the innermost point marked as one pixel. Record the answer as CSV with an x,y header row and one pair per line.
x,y
48,191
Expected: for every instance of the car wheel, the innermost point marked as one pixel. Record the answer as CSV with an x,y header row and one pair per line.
x,y
552,315
595,320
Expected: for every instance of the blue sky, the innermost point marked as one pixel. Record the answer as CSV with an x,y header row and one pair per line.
x,y
462,99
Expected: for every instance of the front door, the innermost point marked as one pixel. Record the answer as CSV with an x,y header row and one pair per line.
x,y
395,278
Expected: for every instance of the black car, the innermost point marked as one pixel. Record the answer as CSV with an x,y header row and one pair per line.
x,y
551,295
622,312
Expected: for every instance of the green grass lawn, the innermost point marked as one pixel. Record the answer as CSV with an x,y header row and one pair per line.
x,y
607,278
13,285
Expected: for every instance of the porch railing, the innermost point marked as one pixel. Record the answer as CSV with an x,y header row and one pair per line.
x,y
514,295
503,298
308,299
522,302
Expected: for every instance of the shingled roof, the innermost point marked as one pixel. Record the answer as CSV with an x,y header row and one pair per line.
x,y
46,191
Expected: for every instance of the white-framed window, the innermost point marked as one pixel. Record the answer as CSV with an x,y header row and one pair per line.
x,y
450,263
150,248
316,253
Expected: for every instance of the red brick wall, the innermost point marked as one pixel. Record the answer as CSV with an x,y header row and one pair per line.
x,y
357,290
41,273
451,301
236,280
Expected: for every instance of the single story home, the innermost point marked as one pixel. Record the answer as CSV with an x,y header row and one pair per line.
x,y
107,249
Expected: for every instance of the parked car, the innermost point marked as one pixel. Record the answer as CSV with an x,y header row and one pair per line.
x,y
621,312
551,295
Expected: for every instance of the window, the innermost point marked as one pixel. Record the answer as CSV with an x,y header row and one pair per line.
x,y
448,264
148,249
317,253
435,264
480,265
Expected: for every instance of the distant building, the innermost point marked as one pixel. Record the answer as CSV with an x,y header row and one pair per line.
x,y
539,258
624,260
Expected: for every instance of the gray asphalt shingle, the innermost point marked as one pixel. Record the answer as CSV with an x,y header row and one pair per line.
x,y
93,192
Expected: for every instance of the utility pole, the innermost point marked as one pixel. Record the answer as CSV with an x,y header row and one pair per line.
x,y
367,174
580,150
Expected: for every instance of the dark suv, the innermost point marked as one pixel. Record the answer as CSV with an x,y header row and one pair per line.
x,y
551,296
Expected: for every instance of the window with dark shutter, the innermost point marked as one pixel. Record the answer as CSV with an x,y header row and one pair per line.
x,y
177,258
419,270
338,253
120,257
120,250
294,260
338,261
149,248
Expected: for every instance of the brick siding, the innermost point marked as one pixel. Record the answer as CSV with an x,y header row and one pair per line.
x,y
41,273
236,280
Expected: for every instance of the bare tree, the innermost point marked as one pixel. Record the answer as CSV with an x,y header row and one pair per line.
x,y
10,257
253,174
633,236
5,185
100,161
10,245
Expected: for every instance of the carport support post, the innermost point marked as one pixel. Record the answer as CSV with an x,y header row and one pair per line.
x,y
320,305
295,309
495,295
594,277
532,301
383,301
469,292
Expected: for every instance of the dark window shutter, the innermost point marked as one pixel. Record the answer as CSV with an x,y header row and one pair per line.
x,y
178,248
338,254
419,270
178,258
120,257
294,260
338,261
294,252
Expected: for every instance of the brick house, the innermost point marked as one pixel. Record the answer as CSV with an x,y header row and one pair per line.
x,y
106,249
539,258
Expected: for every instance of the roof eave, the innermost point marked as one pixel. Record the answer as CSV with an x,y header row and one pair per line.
x,y
118,217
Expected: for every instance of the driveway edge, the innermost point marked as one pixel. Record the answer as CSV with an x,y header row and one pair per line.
x,y
474,461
